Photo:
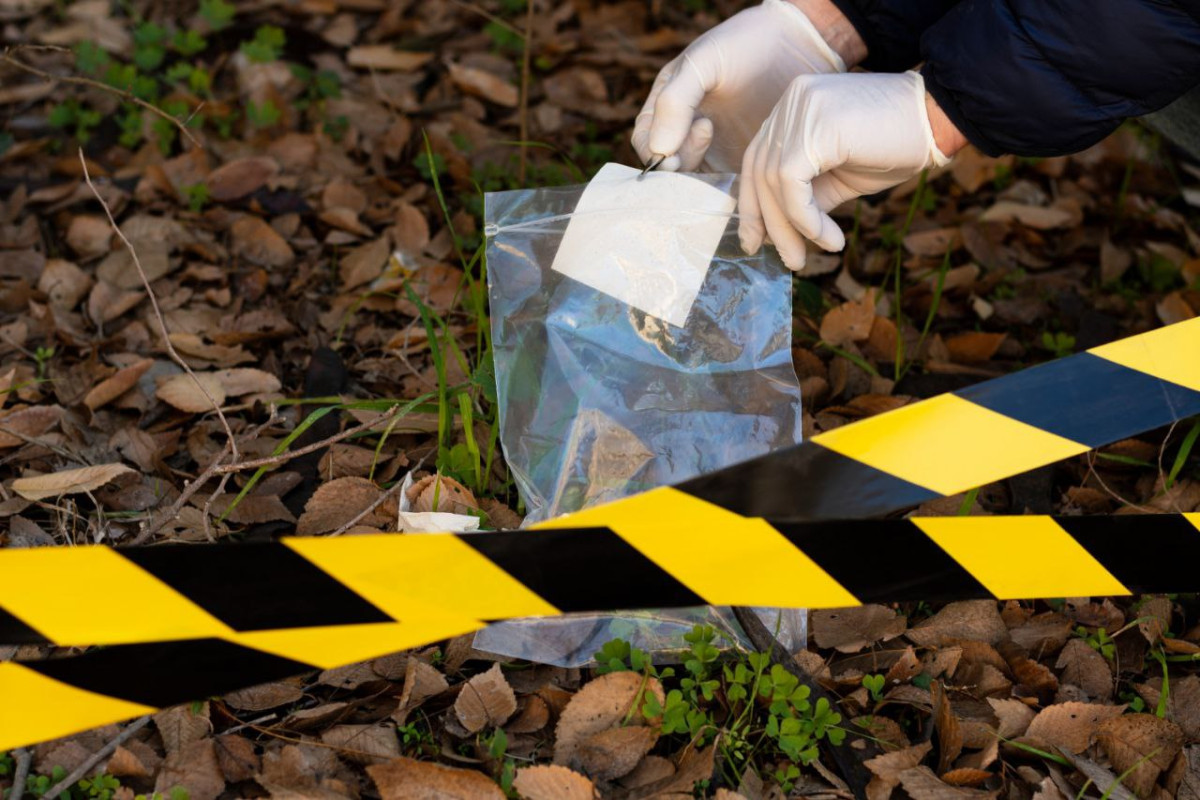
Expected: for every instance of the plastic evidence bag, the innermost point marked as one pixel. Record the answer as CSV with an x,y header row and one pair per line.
x,y
635,346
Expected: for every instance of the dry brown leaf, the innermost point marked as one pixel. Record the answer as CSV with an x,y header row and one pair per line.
x,y
187,392
364,744
1189,781
1070,726
125,764
615,752
934,242
116,384
950,735
29,422
68,481
1014,716
1085,668
1174,308
421,681
259,243
253,509
237,757
966,776
338,501
553,782
885,729
485,701
119,269
180,725
384,57
922,784
500,516
1142,743
107,302
264,696
408,779
1038,217
1154,618
974,347
535,715
972,169
190,344
364,264
652,770
888,767
195,769
240,177
601,704
484,85
63,283
849,630
89,236
1043,634
246,380
969,619
1183,701
451,495
849,322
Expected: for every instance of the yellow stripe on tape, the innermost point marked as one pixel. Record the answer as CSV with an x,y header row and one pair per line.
x,y
403,575
1020,557
680,533
85,595
335,645
948,444
1171,353
34,707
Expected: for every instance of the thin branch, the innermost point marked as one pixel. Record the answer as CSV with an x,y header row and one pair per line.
x,y
95,758
524,110
6,57
231,440
24,758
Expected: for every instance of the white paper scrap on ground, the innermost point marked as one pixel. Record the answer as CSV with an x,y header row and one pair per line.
x,y
645,240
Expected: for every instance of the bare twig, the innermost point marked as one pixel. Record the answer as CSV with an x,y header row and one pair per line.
x,y
95,758
231,440
6,56
23,758
524,110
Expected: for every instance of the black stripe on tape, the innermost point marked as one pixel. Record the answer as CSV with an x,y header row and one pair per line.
x,y
583,569
1153,553
227,582
162,674
806,482
883,561
14,631
1086,399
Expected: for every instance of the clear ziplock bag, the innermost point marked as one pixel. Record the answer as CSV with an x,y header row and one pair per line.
x,y
635,346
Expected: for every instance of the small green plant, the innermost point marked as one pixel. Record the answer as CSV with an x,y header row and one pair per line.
x,y
266,46
1099,641
416,737
197,196
1059,343
41,358
875,685
70,115
263,115
101,787
217,13
38,785
744,703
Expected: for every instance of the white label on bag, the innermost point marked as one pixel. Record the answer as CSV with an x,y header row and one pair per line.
x,y
645,240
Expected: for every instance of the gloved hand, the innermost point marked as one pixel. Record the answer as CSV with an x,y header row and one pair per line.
x,y
707,104
830,138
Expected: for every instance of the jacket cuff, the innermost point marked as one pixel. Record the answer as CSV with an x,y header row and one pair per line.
x,y
949,104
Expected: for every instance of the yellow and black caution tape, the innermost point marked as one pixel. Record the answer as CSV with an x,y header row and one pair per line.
x,y
183,622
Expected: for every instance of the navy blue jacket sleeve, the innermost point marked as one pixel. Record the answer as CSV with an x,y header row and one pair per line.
x,y
892,29
1050,77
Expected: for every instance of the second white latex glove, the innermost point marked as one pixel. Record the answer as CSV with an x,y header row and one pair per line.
x,y
830,138
707,104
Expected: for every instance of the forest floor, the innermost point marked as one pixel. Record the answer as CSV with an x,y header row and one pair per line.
x,y
302,183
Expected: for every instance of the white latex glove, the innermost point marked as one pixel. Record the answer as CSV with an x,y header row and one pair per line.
x,y
831,138
707,104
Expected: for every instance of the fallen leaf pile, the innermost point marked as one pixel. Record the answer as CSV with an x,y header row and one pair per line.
x,y
306,283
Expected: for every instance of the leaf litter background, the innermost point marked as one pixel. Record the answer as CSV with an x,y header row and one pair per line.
x,y
292,254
